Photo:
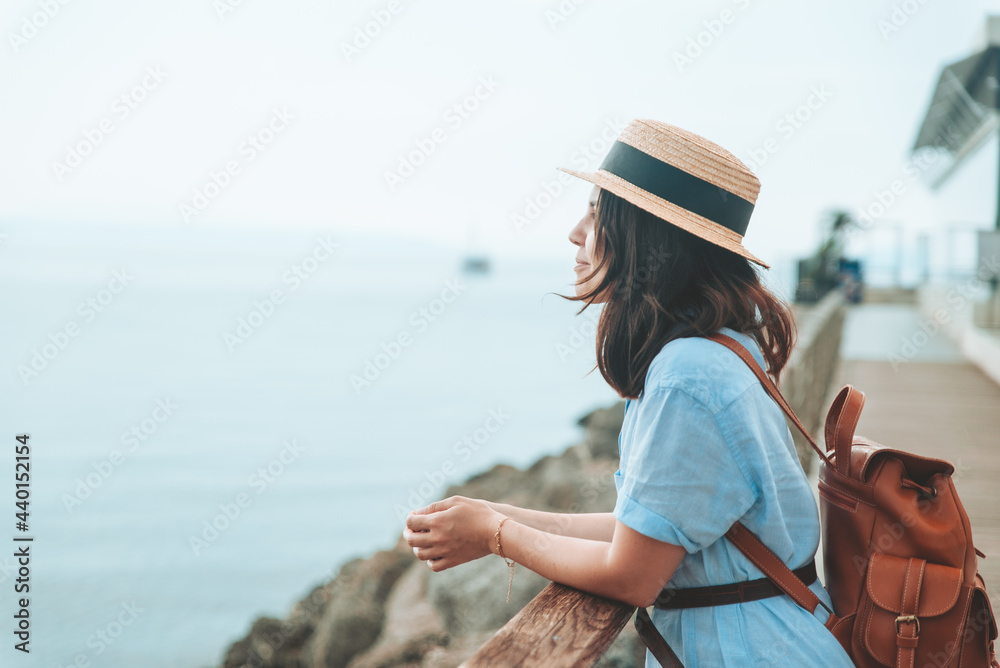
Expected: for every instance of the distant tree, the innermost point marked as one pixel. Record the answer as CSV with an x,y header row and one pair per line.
x,y
819,273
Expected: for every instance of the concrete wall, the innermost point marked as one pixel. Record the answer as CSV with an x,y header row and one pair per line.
x,y
805,381
949,307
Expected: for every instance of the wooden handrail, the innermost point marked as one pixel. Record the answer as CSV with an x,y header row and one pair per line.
x,y
562,626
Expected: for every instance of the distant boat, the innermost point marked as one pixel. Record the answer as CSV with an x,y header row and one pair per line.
x,y
476,264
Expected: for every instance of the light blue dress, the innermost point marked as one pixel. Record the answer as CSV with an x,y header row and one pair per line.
x,y
704,445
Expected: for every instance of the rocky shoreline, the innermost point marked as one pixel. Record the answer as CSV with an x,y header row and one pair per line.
x,y
390,611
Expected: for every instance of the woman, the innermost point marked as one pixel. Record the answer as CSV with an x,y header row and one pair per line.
x,y
702,444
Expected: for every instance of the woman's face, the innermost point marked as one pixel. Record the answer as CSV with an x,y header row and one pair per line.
x,y
583,235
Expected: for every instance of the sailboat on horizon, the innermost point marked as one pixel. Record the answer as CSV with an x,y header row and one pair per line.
x,y
476,260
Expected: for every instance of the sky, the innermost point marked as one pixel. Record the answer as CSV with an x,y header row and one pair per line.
x,y
446,120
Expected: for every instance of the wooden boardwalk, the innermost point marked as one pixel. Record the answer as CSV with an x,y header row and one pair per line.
x,y
946,408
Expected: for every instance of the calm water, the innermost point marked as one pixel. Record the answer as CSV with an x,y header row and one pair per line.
x,y
200,423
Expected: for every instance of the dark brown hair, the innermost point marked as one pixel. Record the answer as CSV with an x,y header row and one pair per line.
x,y
664,283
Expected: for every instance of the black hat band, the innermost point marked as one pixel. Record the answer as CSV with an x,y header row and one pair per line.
x,y
678,187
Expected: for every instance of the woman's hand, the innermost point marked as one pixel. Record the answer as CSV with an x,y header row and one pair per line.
x,y
452,531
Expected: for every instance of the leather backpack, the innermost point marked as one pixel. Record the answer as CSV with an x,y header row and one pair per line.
x,y
898,556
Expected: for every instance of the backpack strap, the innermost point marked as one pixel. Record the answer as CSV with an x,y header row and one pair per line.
x,y
774,568
657,646
768,562
908,637
770,387
744,539
840,424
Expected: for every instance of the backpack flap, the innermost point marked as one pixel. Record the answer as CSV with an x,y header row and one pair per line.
x,y
866,454
853,455
910,604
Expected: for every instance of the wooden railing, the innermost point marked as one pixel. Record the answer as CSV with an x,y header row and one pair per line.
x,y
561,627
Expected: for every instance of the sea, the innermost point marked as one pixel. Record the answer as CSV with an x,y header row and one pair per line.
x,y
219,418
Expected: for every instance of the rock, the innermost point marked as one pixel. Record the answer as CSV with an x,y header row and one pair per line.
x,y
412,625
572,482
354,616
274,643
333,623
602,429
271,643
472,597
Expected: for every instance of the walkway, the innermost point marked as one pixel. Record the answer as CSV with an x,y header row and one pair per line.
x,y
928,400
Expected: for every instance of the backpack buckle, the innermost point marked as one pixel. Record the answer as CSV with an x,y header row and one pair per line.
x,y
908,618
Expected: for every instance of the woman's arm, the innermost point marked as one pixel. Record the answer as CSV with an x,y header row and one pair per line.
x,y
632,567
593,526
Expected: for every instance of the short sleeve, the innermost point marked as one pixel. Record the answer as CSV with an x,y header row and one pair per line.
x,y
682,481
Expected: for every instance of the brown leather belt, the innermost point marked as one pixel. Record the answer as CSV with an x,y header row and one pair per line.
x,y
736,592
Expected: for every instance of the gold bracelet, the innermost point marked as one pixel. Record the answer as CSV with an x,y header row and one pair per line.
x,y
510,562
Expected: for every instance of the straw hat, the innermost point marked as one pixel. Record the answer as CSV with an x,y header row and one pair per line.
x,y
682,178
